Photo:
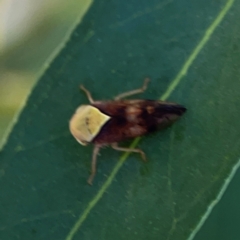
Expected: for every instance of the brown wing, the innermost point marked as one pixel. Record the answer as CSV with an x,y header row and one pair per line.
x,y
133,118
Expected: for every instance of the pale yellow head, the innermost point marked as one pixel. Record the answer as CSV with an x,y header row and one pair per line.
x,y
86,123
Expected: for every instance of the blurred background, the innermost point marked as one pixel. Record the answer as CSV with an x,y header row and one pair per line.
x,y
31,33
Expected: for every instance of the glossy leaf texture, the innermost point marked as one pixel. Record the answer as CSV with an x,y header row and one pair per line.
x,y
43,170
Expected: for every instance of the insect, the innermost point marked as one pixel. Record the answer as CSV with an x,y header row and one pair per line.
x,y
105,123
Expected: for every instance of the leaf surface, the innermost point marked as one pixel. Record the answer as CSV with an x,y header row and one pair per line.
x,y
190,50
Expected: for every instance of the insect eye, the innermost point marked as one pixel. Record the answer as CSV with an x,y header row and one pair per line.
x,y
85,142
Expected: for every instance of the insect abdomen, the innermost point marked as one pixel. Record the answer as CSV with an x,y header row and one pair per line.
x,y
133,118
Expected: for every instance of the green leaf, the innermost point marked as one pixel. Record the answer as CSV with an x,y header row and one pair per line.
x,y
191,52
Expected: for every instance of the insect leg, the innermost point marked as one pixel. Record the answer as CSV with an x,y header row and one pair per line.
x,y
136,91
136,150
89,96
94,164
